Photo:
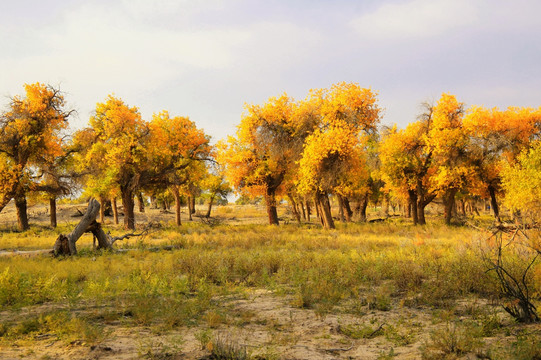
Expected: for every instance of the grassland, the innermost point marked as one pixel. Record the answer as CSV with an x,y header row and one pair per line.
x,y
241,289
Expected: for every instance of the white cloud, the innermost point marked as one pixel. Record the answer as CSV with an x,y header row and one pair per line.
x,y
160,8
415,19
96,50
274,44
112,36
204,58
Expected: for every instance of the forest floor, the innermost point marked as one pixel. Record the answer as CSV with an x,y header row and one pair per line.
x,y
240,289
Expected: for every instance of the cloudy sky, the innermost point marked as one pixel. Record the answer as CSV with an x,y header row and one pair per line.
x,y
206,58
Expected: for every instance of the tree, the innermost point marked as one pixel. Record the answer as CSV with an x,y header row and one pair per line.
x,y
116,152
29,132
97,177
334,152
522,183
177,150
216,186
449,143
496,135
55,179
329,158
407,163
264,150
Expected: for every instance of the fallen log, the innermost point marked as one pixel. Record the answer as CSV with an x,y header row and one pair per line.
x,y
65,244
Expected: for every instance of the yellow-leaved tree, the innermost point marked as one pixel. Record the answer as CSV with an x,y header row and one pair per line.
x,y
215,186
333,158
495,136
407,164
114,152
30,133
522,183
176,151
449,144
266,146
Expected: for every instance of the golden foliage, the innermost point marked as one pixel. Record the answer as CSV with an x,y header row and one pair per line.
x,y
265,148
522,182
30,136
334,151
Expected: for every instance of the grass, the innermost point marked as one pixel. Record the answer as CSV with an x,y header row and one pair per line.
x,y
356,269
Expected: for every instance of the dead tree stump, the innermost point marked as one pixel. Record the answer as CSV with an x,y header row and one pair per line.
x,y
65,244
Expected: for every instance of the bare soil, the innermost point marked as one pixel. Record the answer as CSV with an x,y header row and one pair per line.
x,y
263,323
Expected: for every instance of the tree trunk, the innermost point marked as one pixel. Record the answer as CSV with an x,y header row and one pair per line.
x,y
190,204
421,213
22,215
341,209
176,195
65,245
413,201
209,209
463,207
193,205
52,206
475,210
361,208
270,201
141,202
448,203
347,209
325,210
102,209
294,208
129,214
96,230
115,210
308,210
422,203
494,202
303,210
318,209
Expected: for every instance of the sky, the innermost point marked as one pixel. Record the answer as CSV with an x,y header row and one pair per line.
x,y
206,59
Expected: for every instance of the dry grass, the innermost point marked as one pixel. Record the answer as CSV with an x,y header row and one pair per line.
x,y
385,290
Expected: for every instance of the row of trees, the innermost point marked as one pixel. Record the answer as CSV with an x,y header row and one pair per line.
x,y
303,151
119,154
316,146
329,143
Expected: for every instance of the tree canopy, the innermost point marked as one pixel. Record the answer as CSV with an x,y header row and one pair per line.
x,y
326,148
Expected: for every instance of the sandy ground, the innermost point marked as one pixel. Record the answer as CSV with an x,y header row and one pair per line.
x,y
271,326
